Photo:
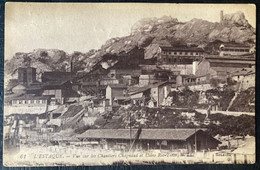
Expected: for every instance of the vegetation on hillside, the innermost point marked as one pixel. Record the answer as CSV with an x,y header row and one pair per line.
x,y
177,118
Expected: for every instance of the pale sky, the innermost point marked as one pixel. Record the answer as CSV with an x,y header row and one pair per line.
x,y
84,26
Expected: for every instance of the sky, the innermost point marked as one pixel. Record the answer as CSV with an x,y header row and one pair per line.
x,y
84,26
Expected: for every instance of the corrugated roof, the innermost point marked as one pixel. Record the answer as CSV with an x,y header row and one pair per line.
x,y
146,134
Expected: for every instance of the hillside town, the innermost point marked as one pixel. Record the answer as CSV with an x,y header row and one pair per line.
x,y
175,103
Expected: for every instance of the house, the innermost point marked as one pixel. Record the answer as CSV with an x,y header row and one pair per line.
x,y
151,95
179,54
234,49
115,91
185,140
245,76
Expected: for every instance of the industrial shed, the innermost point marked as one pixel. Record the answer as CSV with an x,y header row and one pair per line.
x,y
147,139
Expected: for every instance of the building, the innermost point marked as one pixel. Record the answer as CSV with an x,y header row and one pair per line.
x,y
185,140
115,91
179,55
245,76
234,49
26,75
61,90
204,72
151,95
28,104
50,76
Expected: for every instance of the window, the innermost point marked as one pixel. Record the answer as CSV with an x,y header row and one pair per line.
x,y
43,101
32,101
191,53
175,53
20,101
180,53
197,53
14,101
25,102
38,101
186,53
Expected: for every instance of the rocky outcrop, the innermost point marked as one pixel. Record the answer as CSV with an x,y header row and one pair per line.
x,y
147,34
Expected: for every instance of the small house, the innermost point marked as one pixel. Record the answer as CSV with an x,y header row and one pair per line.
x,y
152,95
115,91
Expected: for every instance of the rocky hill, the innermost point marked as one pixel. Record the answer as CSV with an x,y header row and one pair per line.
x,y
146,34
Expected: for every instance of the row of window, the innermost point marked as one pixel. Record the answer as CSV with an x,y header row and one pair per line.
x,y
29,101
181,53
174,60
236,50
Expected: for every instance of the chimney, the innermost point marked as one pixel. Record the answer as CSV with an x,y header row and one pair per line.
x,y
221,16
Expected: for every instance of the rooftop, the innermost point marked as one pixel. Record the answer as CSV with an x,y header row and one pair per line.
x,y
146,134
233,44
55,75
117,86
181,48
142,89
31,97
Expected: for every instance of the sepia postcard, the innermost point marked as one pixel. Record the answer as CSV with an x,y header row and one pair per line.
x,y
129,83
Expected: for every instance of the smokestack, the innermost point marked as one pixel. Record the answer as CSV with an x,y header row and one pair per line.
x,y
221,16
71,66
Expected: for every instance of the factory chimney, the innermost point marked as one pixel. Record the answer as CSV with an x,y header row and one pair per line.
x,y
221,17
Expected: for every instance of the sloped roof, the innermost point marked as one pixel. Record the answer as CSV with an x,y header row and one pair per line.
x,y
142,89
167,134
72,111
55,83
117,86
12,83
146,134
244,71
233,44
56,75
181,48
31,97
108,133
